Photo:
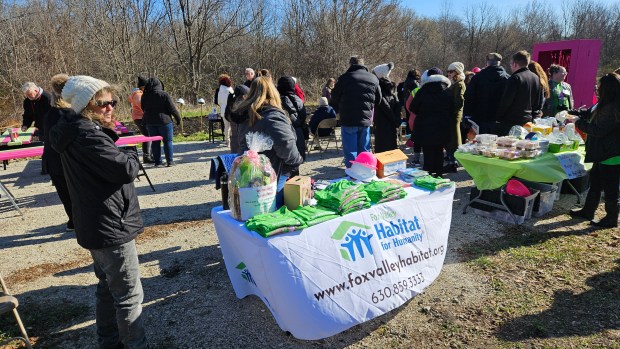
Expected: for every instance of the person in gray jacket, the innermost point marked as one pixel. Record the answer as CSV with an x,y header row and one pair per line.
x,y
264,108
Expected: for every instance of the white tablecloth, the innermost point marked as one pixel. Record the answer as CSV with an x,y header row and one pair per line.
x,y
322,280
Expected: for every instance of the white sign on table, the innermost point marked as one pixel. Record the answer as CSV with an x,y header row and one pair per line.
x,y
327,278
572,165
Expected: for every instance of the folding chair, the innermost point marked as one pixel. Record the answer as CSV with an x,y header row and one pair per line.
x,y
9,303
4,191
327,124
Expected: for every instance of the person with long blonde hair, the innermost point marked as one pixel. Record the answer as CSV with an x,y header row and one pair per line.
x,y
264,107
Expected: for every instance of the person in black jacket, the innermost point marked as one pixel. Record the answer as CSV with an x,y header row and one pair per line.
x,y
484,92
323,112
238,122
521,96
36,104
387,117
159,109
603,150
264,108
354,97
294,106
53,164
433,106
106,212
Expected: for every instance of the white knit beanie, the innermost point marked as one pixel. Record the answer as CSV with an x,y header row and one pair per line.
x,y
80,89
383,70
459,68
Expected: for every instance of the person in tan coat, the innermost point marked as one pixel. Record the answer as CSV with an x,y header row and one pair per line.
x,y
456,76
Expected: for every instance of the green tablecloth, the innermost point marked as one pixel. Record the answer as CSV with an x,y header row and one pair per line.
x,y
492,173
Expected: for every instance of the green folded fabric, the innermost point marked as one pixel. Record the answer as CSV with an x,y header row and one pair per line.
x,y
432,183
264,224
321,220
310,213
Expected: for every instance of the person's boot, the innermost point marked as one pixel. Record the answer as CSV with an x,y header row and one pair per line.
x,y
611,219
588,209
147,159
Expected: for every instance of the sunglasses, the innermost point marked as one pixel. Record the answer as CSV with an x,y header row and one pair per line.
x,y
451,71
104,104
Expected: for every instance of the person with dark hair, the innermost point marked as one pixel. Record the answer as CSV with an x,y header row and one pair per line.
x,y
521,96
603,150
52,160
224,91
484,92
327,89
387,117
433,107
106,212
560,92
135,99
354,97
238,121
159,109
294,107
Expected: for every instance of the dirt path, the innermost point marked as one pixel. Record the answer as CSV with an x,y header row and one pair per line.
x,y
189,301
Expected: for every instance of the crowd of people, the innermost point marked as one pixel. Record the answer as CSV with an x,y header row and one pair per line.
x,y
94,179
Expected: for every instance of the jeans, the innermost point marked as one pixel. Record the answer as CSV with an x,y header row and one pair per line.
x,y
166,132
119,297
280,191
146,146
354,141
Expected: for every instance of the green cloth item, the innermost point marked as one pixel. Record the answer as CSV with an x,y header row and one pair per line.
x,y
321,220
342,196
612,161
379,190
492,173
432,183
312,213
265,224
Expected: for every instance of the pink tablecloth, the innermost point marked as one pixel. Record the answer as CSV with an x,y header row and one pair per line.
x,y
38,151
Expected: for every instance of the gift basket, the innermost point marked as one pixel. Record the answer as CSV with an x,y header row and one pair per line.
x,y
252,181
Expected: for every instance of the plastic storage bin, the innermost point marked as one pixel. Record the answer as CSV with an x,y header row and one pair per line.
x,y
545,199
489,204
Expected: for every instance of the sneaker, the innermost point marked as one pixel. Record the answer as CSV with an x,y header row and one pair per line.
x,y
147,160
170,164
157,164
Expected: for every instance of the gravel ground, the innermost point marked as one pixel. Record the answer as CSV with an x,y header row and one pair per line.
x,y
189,301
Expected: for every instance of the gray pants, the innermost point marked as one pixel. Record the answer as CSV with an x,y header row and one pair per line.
x,y
119,297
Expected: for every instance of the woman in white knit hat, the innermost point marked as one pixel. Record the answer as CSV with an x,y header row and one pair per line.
x,y
457,78
106,213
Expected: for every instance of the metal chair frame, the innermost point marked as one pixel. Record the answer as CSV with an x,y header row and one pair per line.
x,y
14,303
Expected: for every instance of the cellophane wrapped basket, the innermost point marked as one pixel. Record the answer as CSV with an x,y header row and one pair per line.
x,y
252,180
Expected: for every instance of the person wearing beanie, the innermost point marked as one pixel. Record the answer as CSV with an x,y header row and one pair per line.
x,y
106,212
484,93
51,157
387,117
433,106
323,112
135,99
159,109
382,71
456,75
354,97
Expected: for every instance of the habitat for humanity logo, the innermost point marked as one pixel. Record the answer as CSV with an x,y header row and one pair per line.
x,y
355,238
245,273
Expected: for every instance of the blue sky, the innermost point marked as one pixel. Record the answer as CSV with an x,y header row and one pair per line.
x,y
433,8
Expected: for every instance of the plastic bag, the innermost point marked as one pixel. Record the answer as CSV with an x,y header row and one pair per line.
x,y
518,132
252,181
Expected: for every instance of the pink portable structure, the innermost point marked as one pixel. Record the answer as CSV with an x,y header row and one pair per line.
x,y
580,58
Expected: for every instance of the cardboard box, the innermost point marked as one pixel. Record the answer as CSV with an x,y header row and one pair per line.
x,y
297,192
389,162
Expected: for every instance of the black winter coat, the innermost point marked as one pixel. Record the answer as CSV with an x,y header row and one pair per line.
x,y
520,99
433,105
320,114
603,132
355,95
284,156
157,105
387,118
51,156
34,111
100,179
484,92
294,106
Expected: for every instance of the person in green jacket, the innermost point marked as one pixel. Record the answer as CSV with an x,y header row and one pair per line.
x,y
457,77
561,93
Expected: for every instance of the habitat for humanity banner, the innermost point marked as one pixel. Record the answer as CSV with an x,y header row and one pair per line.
x,y
329,277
